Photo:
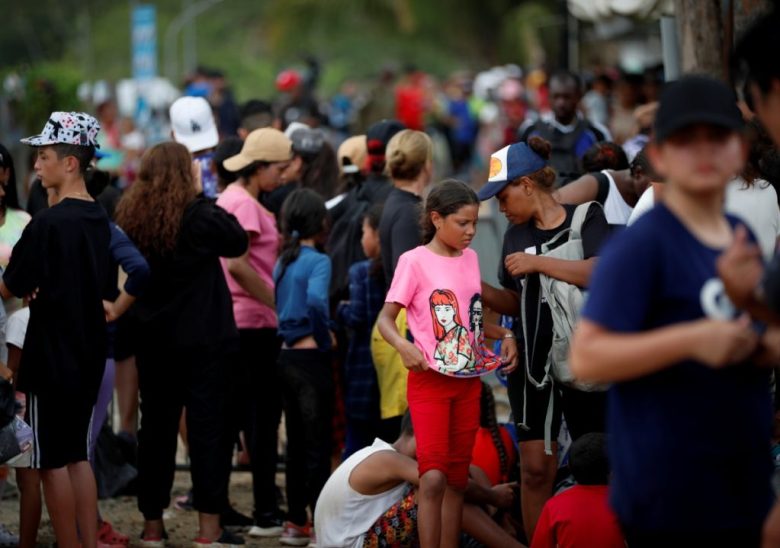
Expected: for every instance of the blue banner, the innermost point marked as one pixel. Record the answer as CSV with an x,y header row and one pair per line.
x,y
144,37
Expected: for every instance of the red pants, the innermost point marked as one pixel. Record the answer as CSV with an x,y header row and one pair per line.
x,y
445,417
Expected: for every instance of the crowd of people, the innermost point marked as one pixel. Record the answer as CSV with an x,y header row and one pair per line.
x,y
266,262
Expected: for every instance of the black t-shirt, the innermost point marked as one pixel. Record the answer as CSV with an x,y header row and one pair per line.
x,y
187,303
399,229
528,238
64,253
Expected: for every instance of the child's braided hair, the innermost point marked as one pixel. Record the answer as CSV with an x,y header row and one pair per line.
x,y
487,419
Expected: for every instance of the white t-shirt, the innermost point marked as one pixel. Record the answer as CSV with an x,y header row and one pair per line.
x,y
645,204
16,328
616,210
756,205
343,516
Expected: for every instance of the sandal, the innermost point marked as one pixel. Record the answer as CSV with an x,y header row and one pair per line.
x,y
108,535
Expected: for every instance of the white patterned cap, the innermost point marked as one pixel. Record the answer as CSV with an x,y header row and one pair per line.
x,y
67,128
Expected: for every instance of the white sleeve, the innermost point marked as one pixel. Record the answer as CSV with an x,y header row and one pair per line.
x,y
645,204
16,328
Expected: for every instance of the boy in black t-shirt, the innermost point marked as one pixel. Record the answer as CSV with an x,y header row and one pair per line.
x,y
62,262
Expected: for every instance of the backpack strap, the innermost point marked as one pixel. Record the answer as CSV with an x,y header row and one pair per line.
x,y
579,219
523,320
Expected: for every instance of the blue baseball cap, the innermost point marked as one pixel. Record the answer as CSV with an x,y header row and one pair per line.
x,y
508,164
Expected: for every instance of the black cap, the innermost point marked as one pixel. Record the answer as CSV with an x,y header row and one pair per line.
x,y
380,133
696,99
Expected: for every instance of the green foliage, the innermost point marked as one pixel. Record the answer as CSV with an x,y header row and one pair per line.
x,y
47,87
251,41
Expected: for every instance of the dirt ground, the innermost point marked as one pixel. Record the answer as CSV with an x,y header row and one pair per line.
x,y
181,525
123,514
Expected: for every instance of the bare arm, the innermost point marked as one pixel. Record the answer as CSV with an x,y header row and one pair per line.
x,y
4,292
382,471
573,272
412,357
503,301
250,281
600,355
115,309
14,358
508,345
579,191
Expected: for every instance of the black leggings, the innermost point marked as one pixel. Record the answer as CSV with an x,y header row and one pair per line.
x,y
170,380
308,394
256,402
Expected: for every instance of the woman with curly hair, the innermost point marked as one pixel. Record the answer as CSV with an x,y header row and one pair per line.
x,y
187,336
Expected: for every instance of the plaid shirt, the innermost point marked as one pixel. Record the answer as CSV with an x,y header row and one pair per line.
x,y
366,298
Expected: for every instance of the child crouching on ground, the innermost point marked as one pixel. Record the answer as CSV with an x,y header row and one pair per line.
x,y
580,516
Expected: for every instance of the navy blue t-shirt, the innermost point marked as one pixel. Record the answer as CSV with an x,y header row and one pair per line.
x,y
689,445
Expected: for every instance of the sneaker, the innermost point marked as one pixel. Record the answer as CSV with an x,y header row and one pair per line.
x,y
234,521
295,535
313,541
266,525
225,540
7,538
153,542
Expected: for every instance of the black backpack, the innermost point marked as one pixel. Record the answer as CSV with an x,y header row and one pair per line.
x,y
563,156
343,245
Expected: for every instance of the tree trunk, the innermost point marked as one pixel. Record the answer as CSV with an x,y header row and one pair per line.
x,y
700,31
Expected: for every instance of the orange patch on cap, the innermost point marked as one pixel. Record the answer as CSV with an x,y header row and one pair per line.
x,y
495,167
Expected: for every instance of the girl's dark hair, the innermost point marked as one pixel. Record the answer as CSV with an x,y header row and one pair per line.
x,y
476,298
11,198
543,178
230,146
246,172
604,156
488,420
374,215
303,216
445,198
321,171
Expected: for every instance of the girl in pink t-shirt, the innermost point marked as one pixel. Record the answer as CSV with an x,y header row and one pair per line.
x,y
439,285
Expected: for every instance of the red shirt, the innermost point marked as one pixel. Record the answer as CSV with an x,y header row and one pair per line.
x,y
578,518
485,454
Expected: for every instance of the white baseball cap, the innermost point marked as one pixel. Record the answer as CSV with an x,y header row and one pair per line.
x,y
192,123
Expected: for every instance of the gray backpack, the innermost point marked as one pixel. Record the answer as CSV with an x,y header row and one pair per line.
x,y
565,301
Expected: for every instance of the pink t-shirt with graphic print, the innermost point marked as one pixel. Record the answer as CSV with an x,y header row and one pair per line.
x,y
444,310
260,224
